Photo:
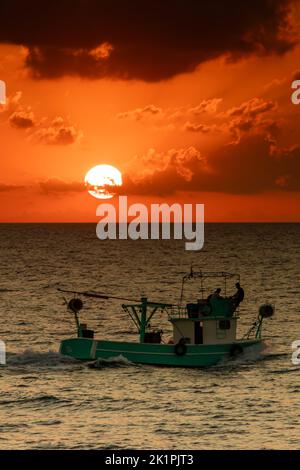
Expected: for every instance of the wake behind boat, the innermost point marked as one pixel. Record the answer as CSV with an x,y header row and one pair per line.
x,y
204,331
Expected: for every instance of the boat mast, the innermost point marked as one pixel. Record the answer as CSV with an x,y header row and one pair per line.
x,y
143,321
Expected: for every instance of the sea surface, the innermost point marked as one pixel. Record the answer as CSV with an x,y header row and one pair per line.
x,y
52,402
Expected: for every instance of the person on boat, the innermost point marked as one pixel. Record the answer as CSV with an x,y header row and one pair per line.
x,y
216,294
238,297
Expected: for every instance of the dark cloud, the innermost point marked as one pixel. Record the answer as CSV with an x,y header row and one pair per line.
x,y
192,127
252,165
206,106
10,187
59,187
250,116
252,108
50,187
57,133
149,40
296,75
139,113
22,119
170,114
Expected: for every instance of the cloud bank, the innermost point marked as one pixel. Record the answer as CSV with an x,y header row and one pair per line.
x,y
149,40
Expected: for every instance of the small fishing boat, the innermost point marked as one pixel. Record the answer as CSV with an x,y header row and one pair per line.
x,y
204,331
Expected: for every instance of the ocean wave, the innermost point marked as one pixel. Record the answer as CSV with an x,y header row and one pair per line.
x,y
29,356
284,371
23,400
249,356
51,285
11,426
271,356
51,422
3,289
117,361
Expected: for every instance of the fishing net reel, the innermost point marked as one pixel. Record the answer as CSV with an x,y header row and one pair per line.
x,y
266,311
75,305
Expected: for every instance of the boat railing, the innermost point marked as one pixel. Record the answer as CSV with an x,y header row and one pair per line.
x,y
178,311
181,312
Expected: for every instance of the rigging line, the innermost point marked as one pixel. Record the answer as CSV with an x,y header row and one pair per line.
x,y
96,295
108,296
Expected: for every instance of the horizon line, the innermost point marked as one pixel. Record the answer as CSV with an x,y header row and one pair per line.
x,y
208,222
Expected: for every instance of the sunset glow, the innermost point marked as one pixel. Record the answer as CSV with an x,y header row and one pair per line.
x,y
204,123
99,178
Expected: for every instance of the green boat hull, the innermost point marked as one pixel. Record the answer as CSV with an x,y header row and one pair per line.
x,y
156,354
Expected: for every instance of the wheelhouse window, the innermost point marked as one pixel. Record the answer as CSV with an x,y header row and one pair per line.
x,y
224,325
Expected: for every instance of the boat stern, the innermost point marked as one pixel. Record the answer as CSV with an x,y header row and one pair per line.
x,y
79,348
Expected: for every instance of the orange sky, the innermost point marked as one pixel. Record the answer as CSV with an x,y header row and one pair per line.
x,y
225,134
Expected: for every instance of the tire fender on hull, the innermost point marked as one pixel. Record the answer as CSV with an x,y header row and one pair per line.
x,y
236,350
180,348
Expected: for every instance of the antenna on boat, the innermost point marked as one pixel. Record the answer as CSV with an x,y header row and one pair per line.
x,y
185,277
191,272
263,276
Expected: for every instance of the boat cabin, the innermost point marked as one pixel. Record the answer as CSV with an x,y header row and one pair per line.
x,y
210,320
204,330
